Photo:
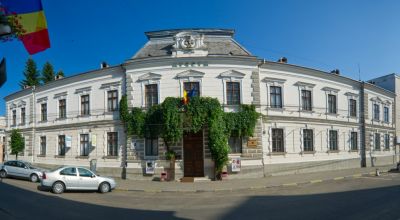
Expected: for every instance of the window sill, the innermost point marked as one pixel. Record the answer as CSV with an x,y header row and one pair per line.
x,y
84,116
376,120
307,111
22,124
353,117
82,157
276,109
59,156
111,157
41,155
333,151
43,121
61,119
332,114
386,149
353,151
151,157
308,152
277,153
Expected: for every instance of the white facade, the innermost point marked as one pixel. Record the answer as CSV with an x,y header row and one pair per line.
x,y
2,137
311,120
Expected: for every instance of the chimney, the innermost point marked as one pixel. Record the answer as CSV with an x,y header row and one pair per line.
x,y
57,77
336,71
282,60
103,65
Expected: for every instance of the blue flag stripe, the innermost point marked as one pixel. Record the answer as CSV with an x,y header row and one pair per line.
x,y
21,6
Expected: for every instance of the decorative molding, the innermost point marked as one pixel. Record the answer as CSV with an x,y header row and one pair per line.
x,y
233,74
304,84
351,94
83,90
330,89
43,99
149,76
273,80
59,95
111,85
190,73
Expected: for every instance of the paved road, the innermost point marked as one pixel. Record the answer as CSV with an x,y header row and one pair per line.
x,y
360,198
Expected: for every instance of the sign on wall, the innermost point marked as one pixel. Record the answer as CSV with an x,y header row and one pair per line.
x,y
94,140
68,141
236,164
150,166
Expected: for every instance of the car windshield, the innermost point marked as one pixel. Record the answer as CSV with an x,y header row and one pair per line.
x,y
29,165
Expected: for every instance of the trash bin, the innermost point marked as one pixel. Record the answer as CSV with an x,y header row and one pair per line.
x,y
93,164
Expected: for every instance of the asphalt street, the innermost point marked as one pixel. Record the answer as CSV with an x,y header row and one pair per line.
x,y
365,197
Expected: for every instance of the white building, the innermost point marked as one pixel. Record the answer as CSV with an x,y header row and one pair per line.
x,y
2,137
312,120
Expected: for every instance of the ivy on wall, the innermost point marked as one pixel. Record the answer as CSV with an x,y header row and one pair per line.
x,y
171,119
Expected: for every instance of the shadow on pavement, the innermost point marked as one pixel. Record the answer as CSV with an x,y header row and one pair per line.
x,y
17,203
378,203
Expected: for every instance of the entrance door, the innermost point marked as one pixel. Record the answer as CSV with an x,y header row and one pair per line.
x,y
193,160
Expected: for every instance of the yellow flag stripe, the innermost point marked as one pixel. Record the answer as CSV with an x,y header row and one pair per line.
x,y
32,22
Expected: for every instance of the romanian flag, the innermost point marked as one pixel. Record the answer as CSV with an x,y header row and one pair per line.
x,y
30,15
185,97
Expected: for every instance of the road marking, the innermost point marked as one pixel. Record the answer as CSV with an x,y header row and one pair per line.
x,y
375,178
316,181
357,175
289,184
338,178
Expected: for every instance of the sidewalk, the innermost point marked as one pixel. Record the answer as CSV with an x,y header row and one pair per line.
x,y
242,184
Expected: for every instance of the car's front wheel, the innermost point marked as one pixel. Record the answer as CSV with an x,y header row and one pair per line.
x,y
104,187
58,187
3,174
34,178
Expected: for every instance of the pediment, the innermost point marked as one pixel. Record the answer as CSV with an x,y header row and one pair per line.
x,y
190,73
21,103
149,76
232,74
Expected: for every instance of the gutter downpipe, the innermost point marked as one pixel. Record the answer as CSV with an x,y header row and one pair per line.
x,y
34,124
262,124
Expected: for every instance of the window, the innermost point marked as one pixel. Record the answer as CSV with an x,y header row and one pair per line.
x,y
192,88
85,108
61,145
151,147
353,141
376,112
308,140
151,95
276,96
332,104
112,143
235,143
333,140
377,141
306,103
353,108
84,144
43,145
70,171
23,116
233,93
14,117
84,172
62,108
386,114
387,141
44,111
112,100
277,140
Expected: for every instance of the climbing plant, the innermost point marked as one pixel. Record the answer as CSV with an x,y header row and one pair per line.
x,y
171,119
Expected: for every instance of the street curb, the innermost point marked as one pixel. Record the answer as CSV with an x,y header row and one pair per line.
x,y
290,184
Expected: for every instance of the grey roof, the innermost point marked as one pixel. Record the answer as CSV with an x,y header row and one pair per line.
x,y
217,41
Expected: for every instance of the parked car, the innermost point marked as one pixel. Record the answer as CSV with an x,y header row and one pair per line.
x,y
21,169
76,178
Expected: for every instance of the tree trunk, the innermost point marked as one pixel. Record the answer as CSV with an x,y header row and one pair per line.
x,y
172,169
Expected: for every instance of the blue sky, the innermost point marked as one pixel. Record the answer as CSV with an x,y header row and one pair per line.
x,y
319,34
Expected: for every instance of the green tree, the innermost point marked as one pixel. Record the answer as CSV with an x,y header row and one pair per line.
x,y
17,142
47,73
31,74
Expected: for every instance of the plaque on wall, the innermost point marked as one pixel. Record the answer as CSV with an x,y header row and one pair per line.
x,y
252,143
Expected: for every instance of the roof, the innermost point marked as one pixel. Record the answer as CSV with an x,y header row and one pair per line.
x,y
217,41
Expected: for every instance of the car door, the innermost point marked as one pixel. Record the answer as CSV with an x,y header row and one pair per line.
x,y
20,169
25,170
10,167
70,177
87,180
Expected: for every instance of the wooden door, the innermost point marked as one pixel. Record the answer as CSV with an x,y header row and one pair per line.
x,y
193,160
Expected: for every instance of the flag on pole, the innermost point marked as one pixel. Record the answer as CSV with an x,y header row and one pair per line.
x,y
185,97
30,15
3,74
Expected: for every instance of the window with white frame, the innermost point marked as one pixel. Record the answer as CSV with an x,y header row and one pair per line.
x,y
233,93
85,105
276,96
42,145
235,144
61,145
353,141
151,147
62,108
376,112
151,93
387,141
192,88
277,140
112,143
353,107
333,140
84,141
43,112
14,117
112,100
386,114
332,109
306,100
23,116
377,141
308,140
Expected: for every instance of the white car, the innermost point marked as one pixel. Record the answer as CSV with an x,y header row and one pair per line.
x,y
20,169
76,178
